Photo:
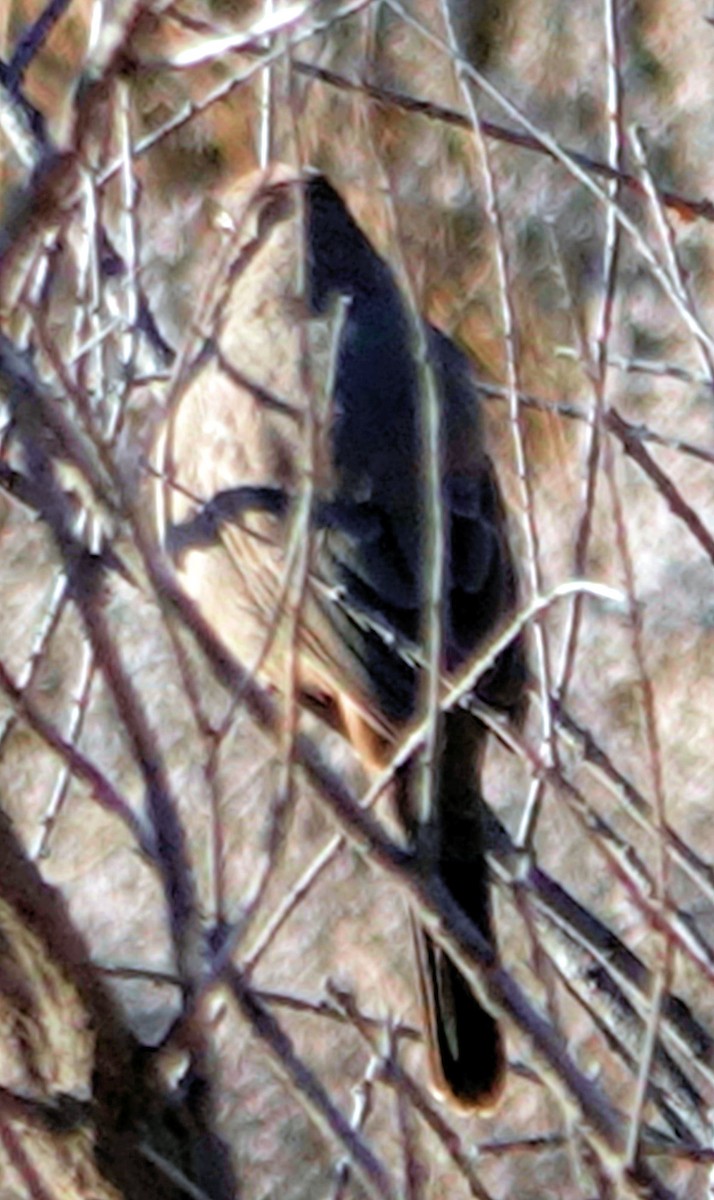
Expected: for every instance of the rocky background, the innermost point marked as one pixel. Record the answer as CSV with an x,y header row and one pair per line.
x,y
206,976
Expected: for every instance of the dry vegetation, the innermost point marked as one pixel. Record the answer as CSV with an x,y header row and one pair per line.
x,y
161,1032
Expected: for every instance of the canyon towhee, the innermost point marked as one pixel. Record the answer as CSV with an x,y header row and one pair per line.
x,y
297,512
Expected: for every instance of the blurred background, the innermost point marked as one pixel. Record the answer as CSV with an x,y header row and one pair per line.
x,y
206,989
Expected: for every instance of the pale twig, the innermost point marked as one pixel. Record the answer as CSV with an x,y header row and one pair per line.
x,y
660,982
433,561
407,1088
169,837
413,1169
433,900
81,767
129,305
669,248
308,1089
550,145
300,549
667,929
362,1106
169,1170
192,109
77,714
390,98
637,806
532,542
18,122
664,485
620,856
663,370
29,671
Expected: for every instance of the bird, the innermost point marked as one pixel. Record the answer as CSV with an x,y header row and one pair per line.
x,y
302,426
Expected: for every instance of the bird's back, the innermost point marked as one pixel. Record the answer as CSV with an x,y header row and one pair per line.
x,y
259,411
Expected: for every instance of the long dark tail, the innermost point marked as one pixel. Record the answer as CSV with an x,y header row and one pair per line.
x,y
464,1042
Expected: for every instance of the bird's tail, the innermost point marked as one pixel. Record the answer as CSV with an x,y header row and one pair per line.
x,y
464,1042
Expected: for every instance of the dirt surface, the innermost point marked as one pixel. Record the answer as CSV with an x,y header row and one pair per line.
x,y
143,781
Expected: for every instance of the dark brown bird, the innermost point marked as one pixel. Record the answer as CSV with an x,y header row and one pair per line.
x,y
307,418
